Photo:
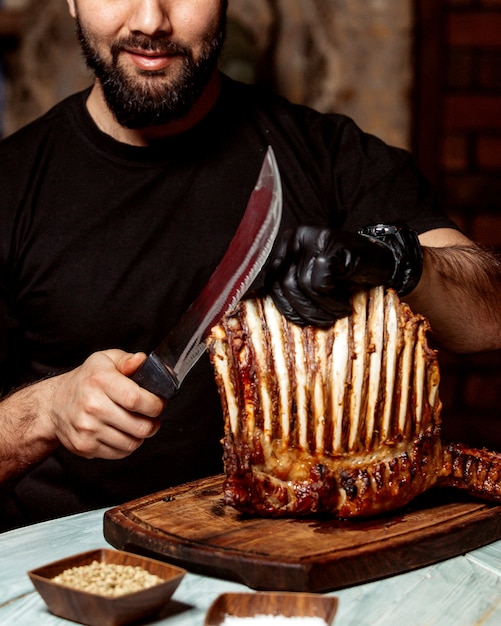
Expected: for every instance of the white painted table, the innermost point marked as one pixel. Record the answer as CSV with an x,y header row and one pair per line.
x,y
464,591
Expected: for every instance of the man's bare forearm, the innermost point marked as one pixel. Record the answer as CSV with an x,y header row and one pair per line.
x,y
26,436
460,292
95,410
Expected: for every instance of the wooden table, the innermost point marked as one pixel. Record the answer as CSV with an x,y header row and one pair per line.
x,y
463,591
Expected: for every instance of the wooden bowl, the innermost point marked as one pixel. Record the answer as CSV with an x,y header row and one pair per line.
x,y
269,603
99,610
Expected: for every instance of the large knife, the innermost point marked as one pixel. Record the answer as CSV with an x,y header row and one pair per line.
x,y
165,368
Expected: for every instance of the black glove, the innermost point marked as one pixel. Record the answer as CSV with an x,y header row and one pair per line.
x,y
315,271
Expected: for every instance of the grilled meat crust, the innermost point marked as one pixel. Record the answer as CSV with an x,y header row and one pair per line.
x,y
475,471
343,486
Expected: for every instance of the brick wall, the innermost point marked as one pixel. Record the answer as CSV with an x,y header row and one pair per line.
x,y
466,82
471,148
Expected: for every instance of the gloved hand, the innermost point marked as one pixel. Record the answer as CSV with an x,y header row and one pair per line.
x,y
315,271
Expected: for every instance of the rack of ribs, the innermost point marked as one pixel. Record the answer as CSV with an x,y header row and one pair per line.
x,y
344,420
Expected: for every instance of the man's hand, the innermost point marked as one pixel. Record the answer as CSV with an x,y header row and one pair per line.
x,y
316,270
97,411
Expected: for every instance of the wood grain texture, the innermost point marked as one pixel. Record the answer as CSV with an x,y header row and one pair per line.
x,y
190,526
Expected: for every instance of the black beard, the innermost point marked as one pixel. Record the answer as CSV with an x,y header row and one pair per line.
x,y
141,106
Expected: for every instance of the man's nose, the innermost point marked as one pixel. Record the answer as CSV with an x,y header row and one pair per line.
x,y
150,17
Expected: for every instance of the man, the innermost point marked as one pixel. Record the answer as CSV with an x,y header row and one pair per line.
x,y
116,207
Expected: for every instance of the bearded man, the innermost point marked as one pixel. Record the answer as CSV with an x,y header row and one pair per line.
x,y
116,207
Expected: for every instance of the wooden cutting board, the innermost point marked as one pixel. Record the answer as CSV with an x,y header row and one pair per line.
x,y
191,527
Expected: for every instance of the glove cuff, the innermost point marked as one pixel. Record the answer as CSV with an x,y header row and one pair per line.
x,y
406,249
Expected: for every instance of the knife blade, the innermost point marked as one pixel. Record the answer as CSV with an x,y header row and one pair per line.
x,y
165,368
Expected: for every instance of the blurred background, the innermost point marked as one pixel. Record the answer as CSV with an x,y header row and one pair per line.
x,y
421,74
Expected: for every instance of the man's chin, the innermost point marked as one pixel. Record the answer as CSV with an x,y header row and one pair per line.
x,y
147,111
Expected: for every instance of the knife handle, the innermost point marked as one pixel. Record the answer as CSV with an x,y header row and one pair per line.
x,y
154,376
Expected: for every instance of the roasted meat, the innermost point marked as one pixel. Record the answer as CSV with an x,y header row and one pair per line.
x,y
344,421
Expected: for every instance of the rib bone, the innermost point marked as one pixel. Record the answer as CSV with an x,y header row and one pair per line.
x,y
344,420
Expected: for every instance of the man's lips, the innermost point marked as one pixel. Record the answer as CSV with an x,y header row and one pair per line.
x,y
150,61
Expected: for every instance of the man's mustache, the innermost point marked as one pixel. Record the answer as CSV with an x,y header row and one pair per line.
x,y
156,45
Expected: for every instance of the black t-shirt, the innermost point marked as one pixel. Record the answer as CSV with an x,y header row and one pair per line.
x,y
104,245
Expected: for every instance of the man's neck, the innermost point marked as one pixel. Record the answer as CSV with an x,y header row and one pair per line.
x,y
107,123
